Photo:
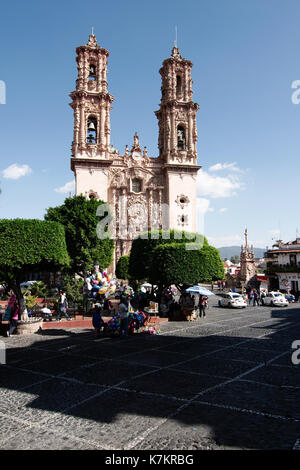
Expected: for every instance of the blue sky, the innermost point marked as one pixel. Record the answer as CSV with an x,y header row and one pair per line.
x,y
246,55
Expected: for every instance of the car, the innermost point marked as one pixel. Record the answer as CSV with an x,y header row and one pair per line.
x,y
232,299
27,284
276,299
289,297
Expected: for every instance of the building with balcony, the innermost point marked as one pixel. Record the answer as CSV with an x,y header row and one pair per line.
x,y
283,266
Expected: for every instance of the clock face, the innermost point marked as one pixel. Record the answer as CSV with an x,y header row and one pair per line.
x,y
136,155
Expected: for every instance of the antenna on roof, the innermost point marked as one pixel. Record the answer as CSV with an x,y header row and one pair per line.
x,y
175,42
93,30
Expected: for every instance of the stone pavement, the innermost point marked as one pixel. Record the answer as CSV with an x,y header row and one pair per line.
x,y
223,382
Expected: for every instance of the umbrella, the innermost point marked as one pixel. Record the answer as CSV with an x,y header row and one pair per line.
x,y
199,290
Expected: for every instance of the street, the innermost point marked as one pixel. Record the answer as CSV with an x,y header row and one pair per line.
x,y
223,382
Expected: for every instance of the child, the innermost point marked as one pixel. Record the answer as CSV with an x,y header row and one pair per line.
x,y
98,322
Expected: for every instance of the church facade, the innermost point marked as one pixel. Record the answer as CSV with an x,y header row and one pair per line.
x,y
143,192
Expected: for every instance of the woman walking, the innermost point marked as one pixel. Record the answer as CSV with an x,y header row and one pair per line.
x,y
12,314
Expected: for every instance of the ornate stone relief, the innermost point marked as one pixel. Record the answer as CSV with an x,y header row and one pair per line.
x,y
182,201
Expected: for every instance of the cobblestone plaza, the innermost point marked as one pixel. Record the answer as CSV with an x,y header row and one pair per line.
x,y
223,382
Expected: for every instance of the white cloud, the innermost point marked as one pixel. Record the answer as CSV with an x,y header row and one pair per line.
x,y
203,206
217,186
68,187
223,209
15,171
225,166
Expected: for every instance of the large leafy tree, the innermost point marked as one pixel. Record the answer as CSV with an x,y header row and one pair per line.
x,y
79,217
170,258
29,245
173,264
122,267
142,250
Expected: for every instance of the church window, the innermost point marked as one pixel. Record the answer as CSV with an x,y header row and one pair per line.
x,y
92,74
92,130
136,185
178,85
180,138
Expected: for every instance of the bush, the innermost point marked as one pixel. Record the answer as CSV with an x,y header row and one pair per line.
x,y
122,268
141,255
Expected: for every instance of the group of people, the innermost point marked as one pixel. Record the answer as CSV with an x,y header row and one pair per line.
x,y
254,297
12,311
189,305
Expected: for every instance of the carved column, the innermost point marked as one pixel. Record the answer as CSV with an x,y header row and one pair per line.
x,y
190,147
82,123
107,125
102,127
150,214
160,208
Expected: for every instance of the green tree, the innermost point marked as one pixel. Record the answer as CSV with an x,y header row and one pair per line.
x,y
122,268
173,264
73,288
79,217
29,246
211,266
141,254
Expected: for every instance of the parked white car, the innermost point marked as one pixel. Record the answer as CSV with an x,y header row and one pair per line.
x,y
276,299
232,299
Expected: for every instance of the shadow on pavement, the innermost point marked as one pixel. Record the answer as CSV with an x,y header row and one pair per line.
x,y
211,391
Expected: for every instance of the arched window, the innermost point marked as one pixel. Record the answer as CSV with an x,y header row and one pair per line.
x,y
92,74
178,85
91,137
180,138
136,185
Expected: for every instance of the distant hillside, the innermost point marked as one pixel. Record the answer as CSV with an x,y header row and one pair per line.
x,y
229,251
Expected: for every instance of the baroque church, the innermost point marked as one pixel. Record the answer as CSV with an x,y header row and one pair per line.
x,y
143,192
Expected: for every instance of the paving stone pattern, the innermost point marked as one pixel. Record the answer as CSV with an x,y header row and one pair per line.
x,y
223,382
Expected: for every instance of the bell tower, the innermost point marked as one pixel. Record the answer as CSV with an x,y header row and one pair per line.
x,y
177,140
177,113
91,103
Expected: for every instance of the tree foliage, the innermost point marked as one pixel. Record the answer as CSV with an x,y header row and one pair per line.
x,y
79,217
122,268
142,250
165,261
173,264
26,244
29,245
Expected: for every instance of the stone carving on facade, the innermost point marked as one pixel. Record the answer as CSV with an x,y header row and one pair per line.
x,y
137,215
182,201
92,42
182,220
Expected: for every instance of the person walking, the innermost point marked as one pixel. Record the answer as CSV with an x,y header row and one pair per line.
x,y
13,316
262,297
202,305
62,306
255,298
123,311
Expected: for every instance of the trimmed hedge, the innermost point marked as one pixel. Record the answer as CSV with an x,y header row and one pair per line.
x,y
142,250
30,243
173,264
122,267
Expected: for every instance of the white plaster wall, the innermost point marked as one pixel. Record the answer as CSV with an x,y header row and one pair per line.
x,y
87,180
184,184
